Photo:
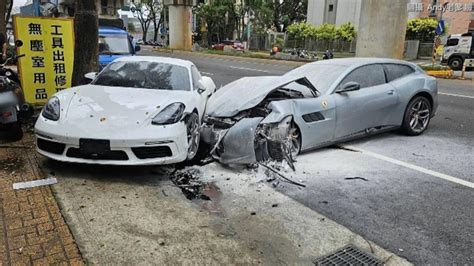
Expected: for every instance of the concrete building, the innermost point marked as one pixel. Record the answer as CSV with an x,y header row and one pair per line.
x,y
334,12
105,8
459,15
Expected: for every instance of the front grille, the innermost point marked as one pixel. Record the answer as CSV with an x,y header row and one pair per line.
x,y
50,146
152,152
349,255
109,155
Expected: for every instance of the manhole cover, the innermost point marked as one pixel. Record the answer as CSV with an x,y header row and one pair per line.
x,y
349,255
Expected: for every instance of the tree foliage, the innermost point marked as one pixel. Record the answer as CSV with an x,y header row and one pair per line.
x,y
142,13
423,29
302,31
5,8
223,18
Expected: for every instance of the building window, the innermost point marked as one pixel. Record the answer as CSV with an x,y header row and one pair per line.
x,y
104,6
331,8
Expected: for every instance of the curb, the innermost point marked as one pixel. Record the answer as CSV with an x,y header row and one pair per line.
x,y
233,57
447,74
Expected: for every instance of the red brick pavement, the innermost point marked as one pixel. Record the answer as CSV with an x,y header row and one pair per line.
x,y
32,229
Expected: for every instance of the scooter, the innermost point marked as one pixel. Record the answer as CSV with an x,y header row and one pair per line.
x,y
13,108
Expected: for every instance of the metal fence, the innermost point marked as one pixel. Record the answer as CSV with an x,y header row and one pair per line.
x,y
322,45
425,49
265,42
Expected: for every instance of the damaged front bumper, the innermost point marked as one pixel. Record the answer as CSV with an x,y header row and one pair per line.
x,y
234,145
246,141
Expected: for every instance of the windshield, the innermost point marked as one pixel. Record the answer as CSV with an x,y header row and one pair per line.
x,y
114,44
322,76
145,75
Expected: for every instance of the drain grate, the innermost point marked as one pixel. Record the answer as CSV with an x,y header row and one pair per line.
x,y
349,255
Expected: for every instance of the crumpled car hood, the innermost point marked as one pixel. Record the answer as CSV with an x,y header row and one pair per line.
x,y
244,93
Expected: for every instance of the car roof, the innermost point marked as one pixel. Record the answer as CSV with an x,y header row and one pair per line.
x,y
359,61
156,59
111,30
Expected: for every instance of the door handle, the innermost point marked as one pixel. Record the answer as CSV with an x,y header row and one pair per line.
x,y
391,92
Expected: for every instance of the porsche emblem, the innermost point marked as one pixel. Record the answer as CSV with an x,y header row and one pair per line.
x,y
324,104
103,119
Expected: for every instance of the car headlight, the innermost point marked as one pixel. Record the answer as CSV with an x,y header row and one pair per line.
x,y
170,115
52,109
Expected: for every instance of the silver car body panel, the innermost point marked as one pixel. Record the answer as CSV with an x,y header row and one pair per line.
x,y
322,120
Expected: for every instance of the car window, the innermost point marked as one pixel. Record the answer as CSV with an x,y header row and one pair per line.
x,y
196,76
452,42
395,71
145,75
114,45
322,74
366,76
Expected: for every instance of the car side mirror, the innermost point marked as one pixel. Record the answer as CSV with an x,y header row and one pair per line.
x,y
349,86
137,48
208,85
201,87
90,75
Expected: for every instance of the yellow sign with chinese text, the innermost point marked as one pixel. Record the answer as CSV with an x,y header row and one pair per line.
x,y
48,46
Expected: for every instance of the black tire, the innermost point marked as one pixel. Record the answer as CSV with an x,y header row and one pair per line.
x,y
191,122
15,132
456,63
417,116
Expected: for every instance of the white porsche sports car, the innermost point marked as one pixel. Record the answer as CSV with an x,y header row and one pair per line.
x,y
138,111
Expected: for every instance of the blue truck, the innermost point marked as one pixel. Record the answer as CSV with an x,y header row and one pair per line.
x,y
114,42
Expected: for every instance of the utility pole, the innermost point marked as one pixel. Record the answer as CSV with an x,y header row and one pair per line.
x,y
437,39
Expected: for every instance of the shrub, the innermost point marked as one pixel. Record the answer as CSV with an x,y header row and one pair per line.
x,y
423,29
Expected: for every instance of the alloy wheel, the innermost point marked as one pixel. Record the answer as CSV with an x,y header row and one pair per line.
x,y
420,116
193,136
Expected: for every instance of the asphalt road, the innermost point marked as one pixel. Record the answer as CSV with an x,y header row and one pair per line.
x,y
409,199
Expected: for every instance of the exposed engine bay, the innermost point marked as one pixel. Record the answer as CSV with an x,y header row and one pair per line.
x,y
247,138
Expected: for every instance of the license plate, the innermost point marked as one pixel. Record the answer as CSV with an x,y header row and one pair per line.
x,y
94,146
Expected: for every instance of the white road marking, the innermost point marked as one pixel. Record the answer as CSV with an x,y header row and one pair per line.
x,y
250,69
456,95
35,183
207,73
414,167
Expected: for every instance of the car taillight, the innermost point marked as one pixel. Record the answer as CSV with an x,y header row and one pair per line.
x,y
7,114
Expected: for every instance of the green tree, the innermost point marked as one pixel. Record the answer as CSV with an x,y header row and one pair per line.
x,y
156,15
220,17
142,13
423,29
5,8
287,12
346,32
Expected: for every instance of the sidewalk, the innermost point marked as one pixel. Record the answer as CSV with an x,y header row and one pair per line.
x,y
32,229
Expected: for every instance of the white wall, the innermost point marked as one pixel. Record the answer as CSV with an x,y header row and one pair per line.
x,y
316,11
348,11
